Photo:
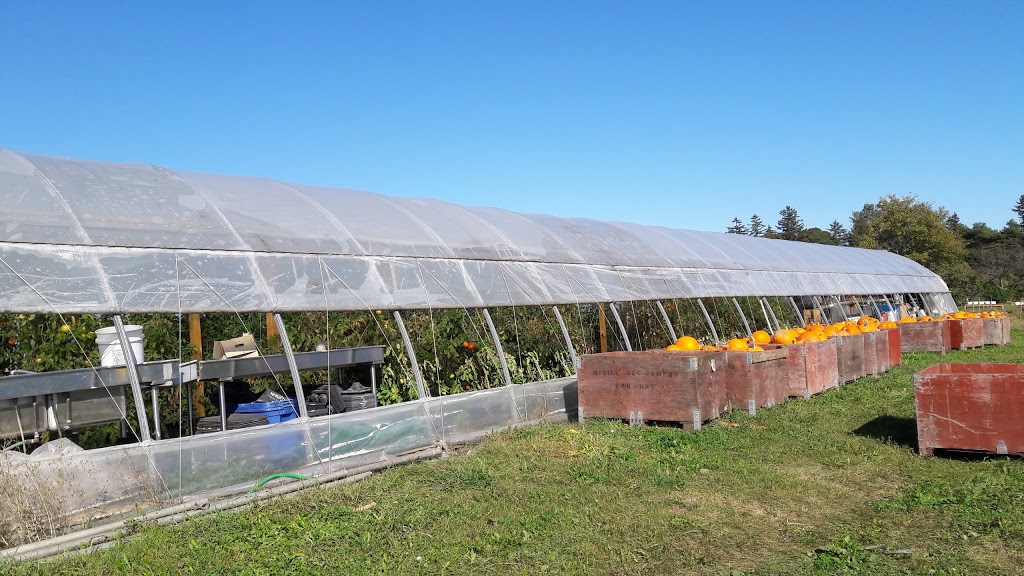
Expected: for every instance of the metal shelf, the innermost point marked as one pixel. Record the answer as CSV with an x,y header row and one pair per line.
x,y
173,372
277,363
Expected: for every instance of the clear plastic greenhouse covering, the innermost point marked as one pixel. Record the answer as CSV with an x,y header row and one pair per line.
x,y
85,236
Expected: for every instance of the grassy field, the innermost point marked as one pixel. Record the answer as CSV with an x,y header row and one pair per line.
x,y
830,485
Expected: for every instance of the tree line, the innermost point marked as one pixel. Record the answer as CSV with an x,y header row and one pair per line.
x,y
977,262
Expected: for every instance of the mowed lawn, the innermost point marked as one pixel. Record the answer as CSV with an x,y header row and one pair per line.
x,y
828,485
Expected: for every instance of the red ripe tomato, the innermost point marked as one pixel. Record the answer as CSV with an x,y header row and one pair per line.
x,y
471,346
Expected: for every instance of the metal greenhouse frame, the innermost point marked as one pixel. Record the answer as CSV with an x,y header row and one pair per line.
x,y
91,237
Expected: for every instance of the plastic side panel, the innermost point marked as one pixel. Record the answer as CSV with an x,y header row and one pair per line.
x,y
390,429
448,285
210,461
54,491
402,280
148,280
519,283
49,279
550,400
300,282
219,281
465,415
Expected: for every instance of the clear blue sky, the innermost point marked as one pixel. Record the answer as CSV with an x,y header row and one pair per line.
x,y
678,113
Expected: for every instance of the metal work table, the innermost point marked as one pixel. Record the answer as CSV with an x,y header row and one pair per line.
x,y
171,373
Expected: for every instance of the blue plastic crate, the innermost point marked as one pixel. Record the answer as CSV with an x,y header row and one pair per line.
x,y
277,411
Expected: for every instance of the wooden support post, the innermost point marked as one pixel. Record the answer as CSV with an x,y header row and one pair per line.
x,y
273,336
602,327
195,337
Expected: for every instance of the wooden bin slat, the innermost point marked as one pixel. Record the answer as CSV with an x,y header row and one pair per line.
x,y
871,362
895,343
966,333
973,407
660,385
925,337
994,331
813,368
882,351
757,379
850,354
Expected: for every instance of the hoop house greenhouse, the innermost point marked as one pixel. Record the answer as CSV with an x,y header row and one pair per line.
x,y
455,320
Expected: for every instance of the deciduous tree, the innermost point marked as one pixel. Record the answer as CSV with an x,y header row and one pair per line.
x,y
917,230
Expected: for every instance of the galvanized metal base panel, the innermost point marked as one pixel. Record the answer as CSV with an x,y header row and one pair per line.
x,y
975,407
686,388
925,337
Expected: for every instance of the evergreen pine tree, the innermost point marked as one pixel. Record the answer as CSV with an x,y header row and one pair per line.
x,y
756,226
840,235
737,227
1019,209
790,224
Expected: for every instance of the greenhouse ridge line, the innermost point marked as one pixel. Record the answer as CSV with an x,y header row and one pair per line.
x,y
115,249
103,237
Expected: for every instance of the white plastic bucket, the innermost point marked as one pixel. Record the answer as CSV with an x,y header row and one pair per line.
x,y
111,353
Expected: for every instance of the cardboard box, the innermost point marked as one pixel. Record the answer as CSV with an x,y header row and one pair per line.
x,y
242,347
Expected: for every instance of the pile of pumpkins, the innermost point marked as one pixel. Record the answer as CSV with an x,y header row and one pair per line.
x,y
806,335
955,316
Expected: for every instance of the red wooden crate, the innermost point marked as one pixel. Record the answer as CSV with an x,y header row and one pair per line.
x,y
813,368
757,379
882,350
658,385
973,407
966,333
850,355
871,361
997,331
894,343
924,337
993,331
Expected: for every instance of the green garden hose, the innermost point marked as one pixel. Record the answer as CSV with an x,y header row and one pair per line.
x,y
274,476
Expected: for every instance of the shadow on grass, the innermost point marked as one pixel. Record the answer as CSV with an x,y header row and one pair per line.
x,y
901,431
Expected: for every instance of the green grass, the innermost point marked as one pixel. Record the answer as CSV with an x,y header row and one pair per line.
x,y
802,488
